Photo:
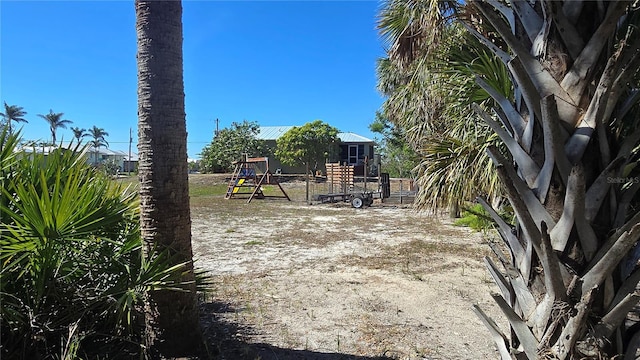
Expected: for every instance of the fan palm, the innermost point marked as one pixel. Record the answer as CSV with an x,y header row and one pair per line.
x,y
569,169
55,121
13,113
73,271
429,98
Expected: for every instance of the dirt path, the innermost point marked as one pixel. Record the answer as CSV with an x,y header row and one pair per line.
x,y
332,282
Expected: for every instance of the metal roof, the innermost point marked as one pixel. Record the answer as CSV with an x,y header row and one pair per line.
x,y
274,132
36,149
347,137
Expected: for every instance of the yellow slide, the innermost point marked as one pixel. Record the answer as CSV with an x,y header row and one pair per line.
x,y
237,187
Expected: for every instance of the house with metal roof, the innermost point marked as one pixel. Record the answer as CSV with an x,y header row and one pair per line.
x,y
93,156
354,149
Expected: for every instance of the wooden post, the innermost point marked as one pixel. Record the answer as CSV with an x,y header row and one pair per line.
x,y
366,163
332,180
307,185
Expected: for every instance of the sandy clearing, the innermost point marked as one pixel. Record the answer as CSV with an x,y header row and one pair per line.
x,y
334,281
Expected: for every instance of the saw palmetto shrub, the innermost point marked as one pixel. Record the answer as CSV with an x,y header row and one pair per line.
x,y
73,273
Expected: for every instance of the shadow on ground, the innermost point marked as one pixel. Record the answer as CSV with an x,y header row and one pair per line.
x,y
225,341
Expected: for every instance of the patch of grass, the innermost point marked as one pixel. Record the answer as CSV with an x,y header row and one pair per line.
x,y
380,338
478,219
197,190
128,180
308,235
254,243
416,258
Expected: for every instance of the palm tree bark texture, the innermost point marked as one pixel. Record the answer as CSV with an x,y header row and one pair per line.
x,y
569,167
572,64
171,317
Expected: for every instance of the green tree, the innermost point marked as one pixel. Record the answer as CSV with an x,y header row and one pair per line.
x,y
307,145
232,144
568,167
399,159
55,121
97,140
13,113
195,166
171,317
79,133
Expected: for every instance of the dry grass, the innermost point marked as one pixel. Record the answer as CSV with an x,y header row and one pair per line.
x,y
418,257
293,281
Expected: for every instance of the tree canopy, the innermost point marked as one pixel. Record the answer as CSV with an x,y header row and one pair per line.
x,y
55,121
12,113
231,144
98,137
428,101
305,145
79,133
399,159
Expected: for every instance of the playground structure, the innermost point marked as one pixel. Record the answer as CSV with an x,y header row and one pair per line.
x,y
248,178
342,187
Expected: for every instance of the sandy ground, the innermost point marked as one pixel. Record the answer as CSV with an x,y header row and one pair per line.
x,y
327,281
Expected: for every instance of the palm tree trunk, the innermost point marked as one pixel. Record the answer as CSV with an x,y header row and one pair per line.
x,y
568,291
172,323
571,272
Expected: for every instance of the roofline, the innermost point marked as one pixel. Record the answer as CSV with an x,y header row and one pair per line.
x,y
365,141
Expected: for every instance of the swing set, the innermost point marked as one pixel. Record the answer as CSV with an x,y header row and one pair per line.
x,y
248,178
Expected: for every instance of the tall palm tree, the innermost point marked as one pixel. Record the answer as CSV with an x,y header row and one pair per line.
x,y
13,113
79,133
428,98
97,140
55,121
172,323
569,169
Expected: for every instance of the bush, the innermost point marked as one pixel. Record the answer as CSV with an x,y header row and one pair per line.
x,y
478,219
73,273
232,144
110,167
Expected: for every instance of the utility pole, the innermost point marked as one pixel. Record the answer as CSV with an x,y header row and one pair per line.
x,y
129,162
217,130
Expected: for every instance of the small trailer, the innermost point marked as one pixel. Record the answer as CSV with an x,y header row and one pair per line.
x,y
341,176
357,199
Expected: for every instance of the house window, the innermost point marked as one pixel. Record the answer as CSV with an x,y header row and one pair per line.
x,y
353,155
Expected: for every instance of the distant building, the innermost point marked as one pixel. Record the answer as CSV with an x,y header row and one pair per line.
x,y
120,158
93,157
354,149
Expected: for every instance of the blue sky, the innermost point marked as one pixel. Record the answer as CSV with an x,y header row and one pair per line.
x,y
273,62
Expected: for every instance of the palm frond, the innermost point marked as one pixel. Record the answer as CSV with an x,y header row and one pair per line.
x,y
411,28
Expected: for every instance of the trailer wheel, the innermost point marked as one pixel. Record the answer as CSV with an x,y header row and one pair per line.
x,y
357,201
369,200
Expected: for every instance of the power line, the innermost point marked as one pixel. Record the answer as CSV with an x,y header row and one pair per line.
x,y
135,142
